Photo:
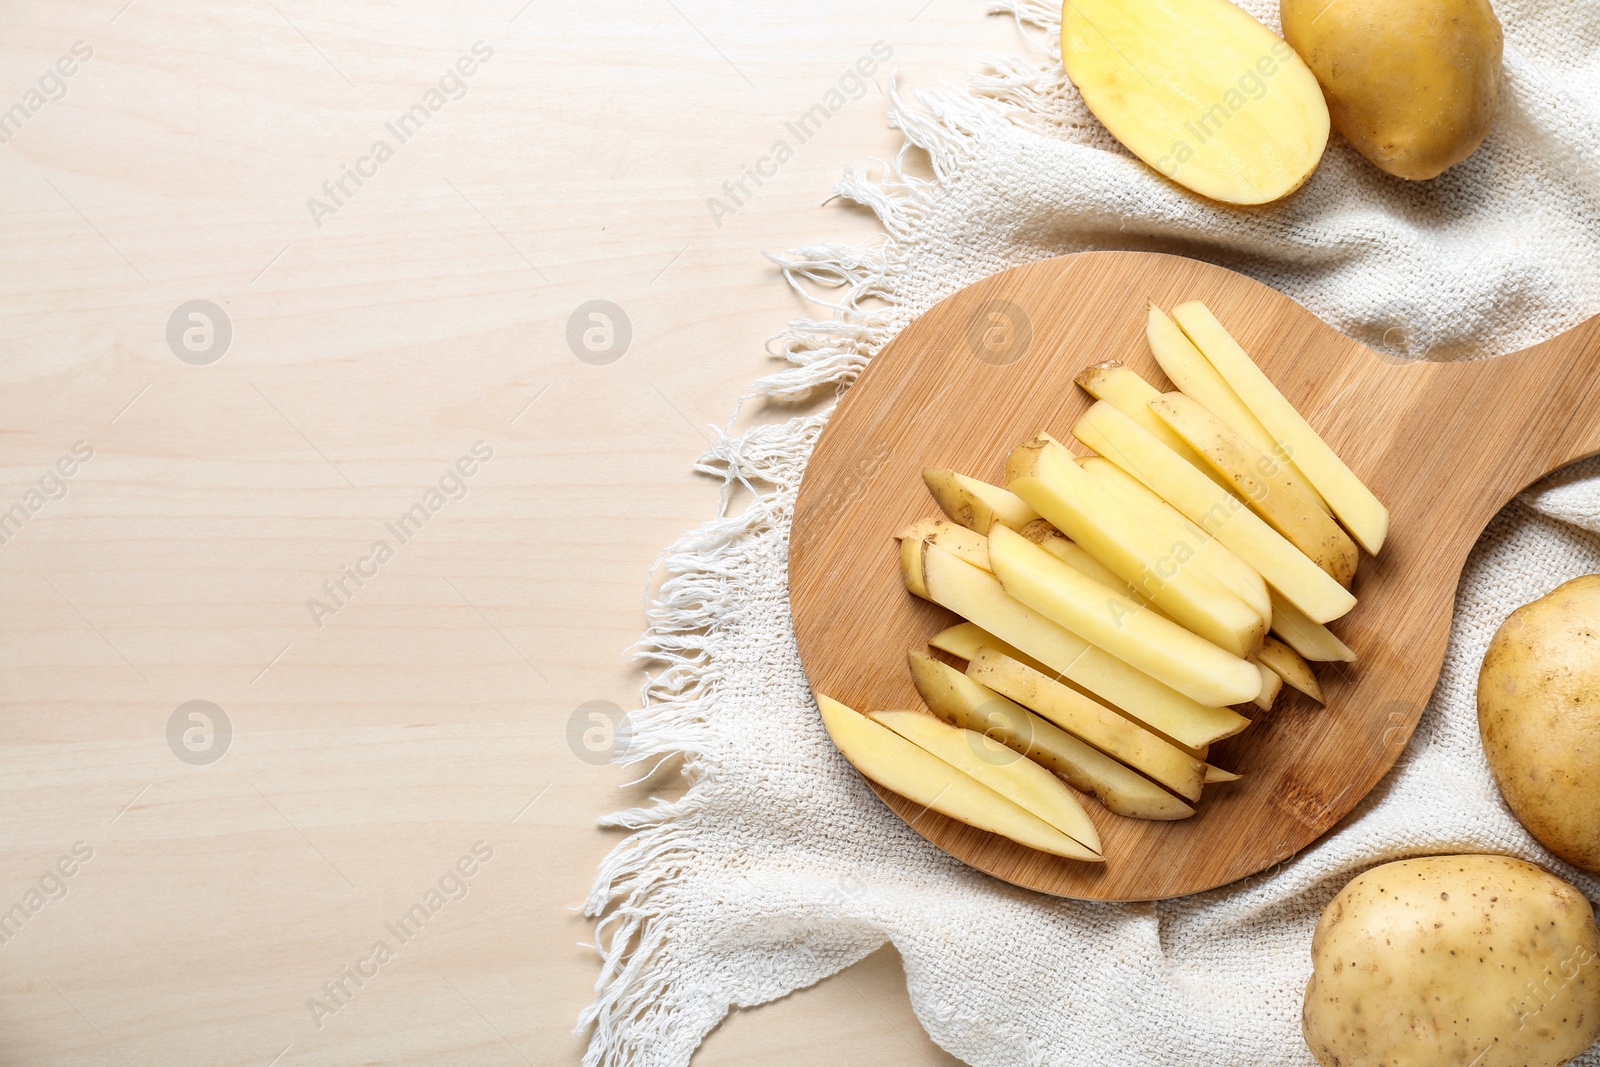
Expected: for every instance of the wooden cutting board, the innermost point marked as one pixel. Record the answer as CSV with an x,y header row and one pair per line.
x,y
1444,445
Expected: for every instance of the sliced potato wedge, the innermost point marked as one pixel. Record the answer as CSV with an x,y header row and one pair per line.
x,y
1090,721
1271,685
959,541
923,778
1215,775
1289,665
975,504
1015,777
1267,486
1126,390
979,597
911,566
1362,513
1243,580
1285,568
962,702
1045,474
1119,624
965,638
1311,639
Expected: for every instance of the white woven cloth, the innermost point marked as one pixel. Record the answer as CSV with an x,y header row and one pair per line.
x,y
779,867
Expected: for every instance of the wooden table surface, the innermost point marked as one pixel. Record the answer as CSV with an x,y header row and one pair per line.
x,y
192,496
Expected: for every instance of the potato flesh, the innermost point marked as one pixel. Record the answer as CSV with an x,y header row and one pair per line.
x,y
980,598
1119,624
1361,512
1090,721
923,778
1126,390
1243,580
1271,685
1265,484
1285,568
1199,90
975,504
1289,665
1197,379
959,700
959,541
1311,639
1454,961
1046,476
965,638
1017,778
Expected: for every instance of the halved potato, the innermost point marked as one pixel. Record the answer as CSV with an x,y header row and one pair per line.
x,y
1121,625
1362,513
1289,665
1270,489
1045,474
923,778
1311,639
1243,580
962,702
1200,91
975,504
1090,721
1220,514
1017,778
979,597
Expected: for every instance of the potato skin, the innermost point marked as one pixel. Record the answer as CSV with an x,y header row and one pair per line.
x,y
1448,961
1411,84
1539,717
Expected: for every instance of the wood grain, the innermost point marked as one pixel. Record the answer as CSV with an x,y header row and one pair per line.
x,y
1444,445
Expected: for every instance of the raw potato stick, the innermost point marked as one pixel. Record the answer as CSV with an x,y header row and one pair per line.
x,y
962,702
1362,513
1021,781
956,540
1311,639
1120,625
923,778
1288,664
1045,474
1090,721
1243,580
1285,568
1124,389
979,597
1271,685
1272,492
974,504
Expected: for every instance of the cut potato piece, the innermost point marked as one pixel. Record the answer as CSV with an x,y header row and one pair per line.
x,y
1200,91
1311,639
1243,580
962,702
1289,665
1045,474
1362,513
979,597
1271,491
1286,569
1120,625
1197,379
956,540
1017,778
1217,774
911,566
1124,389
923,778
1271,685
975,504
1090,721
965,638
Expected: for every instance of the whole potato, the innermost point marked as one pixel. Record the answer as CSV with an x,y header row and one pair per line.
x,y
1452,961
1412,84
1539,716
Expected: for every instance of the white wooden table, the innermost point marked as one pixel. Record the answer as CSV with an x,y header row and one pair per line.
x,y
360,739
